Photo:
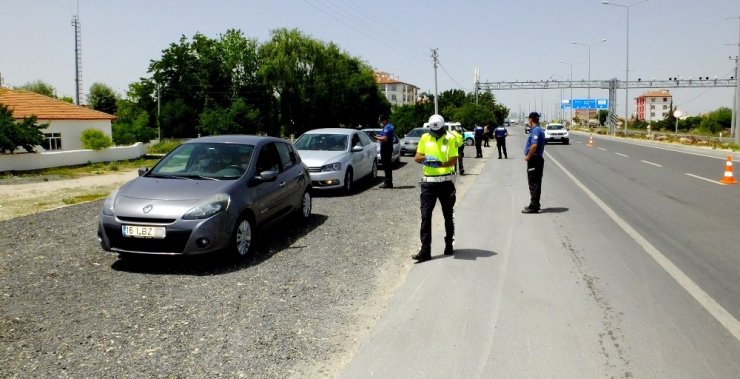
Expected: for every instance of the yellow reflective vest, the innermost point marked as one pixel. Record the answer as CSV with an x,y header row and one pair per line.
x,y
443,148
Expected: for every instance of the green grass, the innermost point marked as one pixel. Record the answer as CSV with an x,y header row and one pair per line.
x,y
76,199
82,170
163,147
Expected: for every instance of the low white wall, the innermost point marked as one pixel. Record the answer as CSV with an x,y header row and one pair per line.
x,y
35,161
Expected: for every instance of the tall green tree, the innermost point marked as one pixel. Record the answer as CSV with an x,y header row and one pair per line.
x,y
102,98
40,87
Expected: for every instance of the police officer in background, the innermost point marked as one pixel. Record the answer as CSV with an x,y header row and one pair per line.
x,y
478,133
533,152
386,137
460,139
437,151
501,133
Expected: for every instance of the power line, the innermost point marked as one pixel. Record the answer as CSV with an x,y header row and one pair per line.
x,y
450,76
355,28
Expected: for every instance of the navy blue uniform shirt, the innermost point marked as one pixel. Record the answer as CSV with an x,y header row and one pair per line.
x,y
536,136
500,132
388,132
478,131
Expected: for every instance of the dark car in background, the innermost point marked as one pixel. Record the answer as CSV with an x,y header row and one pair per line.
x,y
208,194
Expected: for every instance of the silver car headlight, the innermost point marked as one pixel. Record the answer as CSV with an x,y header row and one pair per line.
x,y
336,166
208,207
109,202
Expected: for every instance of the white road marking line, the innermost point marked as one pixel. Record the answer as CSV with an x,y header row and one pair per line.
x,y
654,164
622,155
601,148
643,144
712,306
703,178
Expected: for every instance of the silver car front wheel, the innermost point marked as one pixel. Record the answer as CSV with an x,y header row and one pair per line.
x,y
306,205
242,239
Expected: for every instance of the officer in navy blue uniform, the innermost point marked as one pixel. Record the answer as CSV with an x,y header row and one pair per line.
x,y
533,152
478,133
501,133
386,138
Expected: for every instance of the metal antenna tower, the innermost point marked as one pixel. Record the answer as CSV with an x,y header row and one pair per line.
x,y
78,56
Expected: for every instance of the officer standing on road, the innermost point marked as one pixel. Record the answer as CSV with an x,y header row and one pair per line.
x,y
501,133
460,139
437,151
385,138
533,152
478,133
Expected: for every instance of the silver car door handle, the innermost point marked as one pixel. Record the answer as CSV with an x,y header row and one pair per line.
x,y
282,184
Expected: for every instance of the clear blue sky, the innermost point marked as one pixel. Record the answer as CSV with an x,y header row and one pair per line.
x,y
506,40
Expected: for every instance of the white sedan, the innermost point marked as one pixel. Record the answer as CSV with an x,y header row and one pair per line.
x,y
337,157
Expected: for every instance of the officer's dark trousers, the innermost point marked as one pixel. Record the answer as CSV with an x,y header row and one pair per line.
x,y
460,156
478,149
386,158
430,192
535,165
501,144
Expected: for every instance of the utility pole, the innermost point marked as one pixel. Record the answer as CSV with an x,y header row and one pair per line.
x,y
159,102
734,102
436,62
737,89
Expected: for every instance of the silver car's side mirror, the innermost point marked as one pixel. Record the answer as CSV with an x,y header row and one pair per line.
x,y
143,171
267,176
356,148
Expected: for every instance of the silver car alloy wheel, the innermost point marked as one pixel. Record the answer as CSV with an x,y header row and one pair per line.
x,y
243,237
306,204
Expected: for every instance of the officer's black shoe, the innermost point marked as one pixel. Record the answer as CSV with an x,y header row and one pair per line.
x,y
530,210
422,256
462,172
448,249
384,185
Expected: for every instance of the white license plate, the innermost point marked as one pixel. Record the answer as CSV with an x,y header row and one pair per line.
x,y
141,231
555,137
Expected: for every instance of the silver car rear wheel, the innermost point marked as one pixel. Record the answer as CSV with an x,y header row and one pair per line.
x,y
242,240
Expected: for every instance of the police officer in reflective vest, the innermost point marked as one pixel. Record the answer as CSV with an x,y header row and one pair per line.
x,y
437,151
460,139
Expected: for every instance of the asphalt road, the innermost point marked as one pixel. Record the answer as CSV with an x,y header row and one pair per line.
x,y
631,270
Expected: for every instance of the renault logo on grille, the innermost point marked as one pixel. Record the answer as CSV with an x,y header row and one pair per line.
x,y
148,208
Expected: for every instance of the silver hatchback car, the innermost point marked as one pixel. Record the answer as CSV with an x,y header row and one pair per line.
x,y
209,194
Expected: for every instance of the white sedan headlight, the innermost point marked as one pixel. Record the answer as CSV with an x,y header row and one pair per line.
x,y
336,166
208,207
109,202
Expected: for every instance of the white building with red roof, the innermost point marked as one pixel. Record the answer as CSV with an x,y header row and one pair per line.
x,y
396,91
66,121
653,105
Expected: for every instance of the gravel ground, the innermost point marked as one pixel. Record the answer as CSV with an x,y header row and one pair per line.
x,y
298,308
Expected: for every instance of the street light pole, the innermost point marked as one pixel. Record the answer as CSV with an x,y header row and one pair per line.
x,y
588,45
571,88
627,68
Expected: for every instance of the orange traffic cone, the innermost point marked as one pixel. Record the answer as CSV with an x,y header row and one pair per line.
x,y
590,141
728,178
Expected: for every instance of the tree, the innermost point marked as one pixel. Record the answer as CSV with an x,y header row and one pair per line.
x,y
102,98
95,139
132,124
603,114
39,87
26,133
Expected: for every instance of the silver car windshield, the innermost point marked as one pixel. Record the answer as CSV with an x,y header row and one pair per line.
x,y
326,142
418,132
205,161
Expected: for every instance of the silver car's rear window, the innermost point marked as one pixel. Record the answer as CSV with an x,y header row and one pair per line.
x,y
327,142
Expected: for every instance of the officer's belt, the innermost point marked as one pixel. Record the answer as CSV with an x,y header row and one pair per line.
x,y
438,179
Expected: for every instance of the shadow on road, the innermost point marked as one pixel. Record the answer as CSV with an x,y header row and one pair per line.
x,y
467,254
267,244
554,210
